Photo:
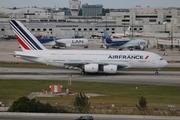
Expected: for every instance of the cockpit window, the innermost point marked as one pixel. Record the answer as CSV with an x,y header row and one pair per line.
x,y
161,58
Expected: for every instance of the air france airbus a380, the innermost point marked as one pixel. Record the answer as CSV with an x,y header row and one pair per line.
x,y
88,61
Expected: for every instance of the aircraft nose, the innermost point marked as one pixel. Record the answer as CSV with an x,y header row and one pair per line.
x,y
165,63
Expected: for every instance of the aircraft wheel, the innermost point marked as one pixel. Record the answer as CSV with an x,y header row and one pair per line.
x,y
83,72
156,73
85,46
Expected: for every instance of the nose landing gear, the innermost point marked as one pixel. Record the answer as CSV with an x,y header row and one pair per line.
x,y
157,72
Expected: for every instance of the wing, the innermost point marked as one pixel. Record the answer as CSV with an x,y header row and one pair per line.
x,y
79,64
60,43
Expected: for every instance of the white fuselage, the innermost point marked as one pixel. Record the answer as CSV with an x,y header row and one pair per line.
x,y
130,59
131,43
74,42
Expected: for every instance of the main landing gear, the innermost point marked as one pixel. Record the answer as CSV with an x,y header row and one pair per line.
x,y
157,72
83,72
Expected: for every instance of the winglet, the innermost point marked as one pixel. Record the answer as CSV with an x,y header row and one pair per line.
x,y
26,39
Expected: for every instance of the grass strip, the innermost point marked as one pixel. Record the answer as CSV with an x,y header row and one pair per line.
x,y
113,93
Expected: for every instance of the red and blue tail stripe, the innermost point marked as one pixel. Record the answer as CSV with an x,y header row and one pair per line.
x,y
25,38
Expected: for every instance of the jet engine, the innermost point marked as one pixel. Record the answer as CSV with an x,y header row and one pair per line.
x,y
68,45
110,69
140,47
91,68
106,47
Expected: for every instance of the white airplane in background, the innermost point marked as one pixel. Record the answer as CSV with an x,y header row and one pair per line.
x,y
136,34
88,61
126,34
58,43
120,44
121,35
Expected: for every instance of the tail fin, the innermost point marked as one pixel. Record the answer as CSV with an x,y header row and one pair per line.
x,y
128,30
26,39
107,37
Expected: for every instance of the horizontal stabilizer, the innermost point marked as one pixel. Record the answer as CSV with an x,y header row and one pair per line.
x,y
21,54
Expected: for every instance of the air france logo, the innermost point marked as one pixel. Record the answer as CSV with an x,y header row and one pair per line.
x,y
77,41
127,57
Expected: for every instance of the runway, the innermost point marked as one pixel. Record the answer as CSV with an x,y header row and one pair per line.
x,y
129,77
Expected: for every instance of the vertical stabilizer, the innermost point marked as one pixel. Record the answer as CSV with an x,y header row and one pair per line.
x,y
26,39
128,31
107,37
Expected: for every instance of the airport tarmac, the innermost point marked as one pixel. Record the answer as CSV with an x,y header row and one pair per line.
x,y
7,48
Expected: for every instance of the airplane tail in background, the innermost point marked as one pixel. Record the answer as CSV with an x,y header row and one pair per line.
x,y
128,31
107,37
26,39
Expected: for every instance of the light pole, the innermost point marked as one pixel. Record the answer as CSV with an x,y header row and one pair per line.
x,y
132,28
172,34
106,22
124,25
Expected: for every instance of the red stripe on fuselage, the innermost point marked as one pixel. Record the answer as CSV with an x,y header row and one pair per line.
x,y
147,57
22,43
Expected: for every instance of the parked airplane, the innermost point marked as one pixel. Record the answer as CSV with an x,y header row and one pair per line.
x,y
130,33
126,34
88,61
58,43
121,35
120,44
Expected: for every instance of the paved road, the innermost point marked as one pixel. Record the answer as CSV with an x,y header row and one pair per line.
x,y
44,116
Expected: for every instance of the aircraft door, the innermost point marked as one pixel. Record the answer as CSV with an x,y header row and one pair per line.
x,y
131,62
78,55
59,55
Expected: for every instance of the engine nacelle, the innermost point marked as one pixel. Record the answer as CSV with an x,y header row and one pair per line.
x,y
106,47
140,47
91,68
68,45
110,69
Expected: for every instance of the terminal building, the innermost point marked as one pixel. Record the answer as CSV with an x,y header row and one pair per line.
x,y
151,22
92,10
74,6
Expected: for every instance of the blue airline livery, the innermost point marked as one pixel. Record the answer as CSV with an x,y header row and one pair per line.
x,y
120,44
